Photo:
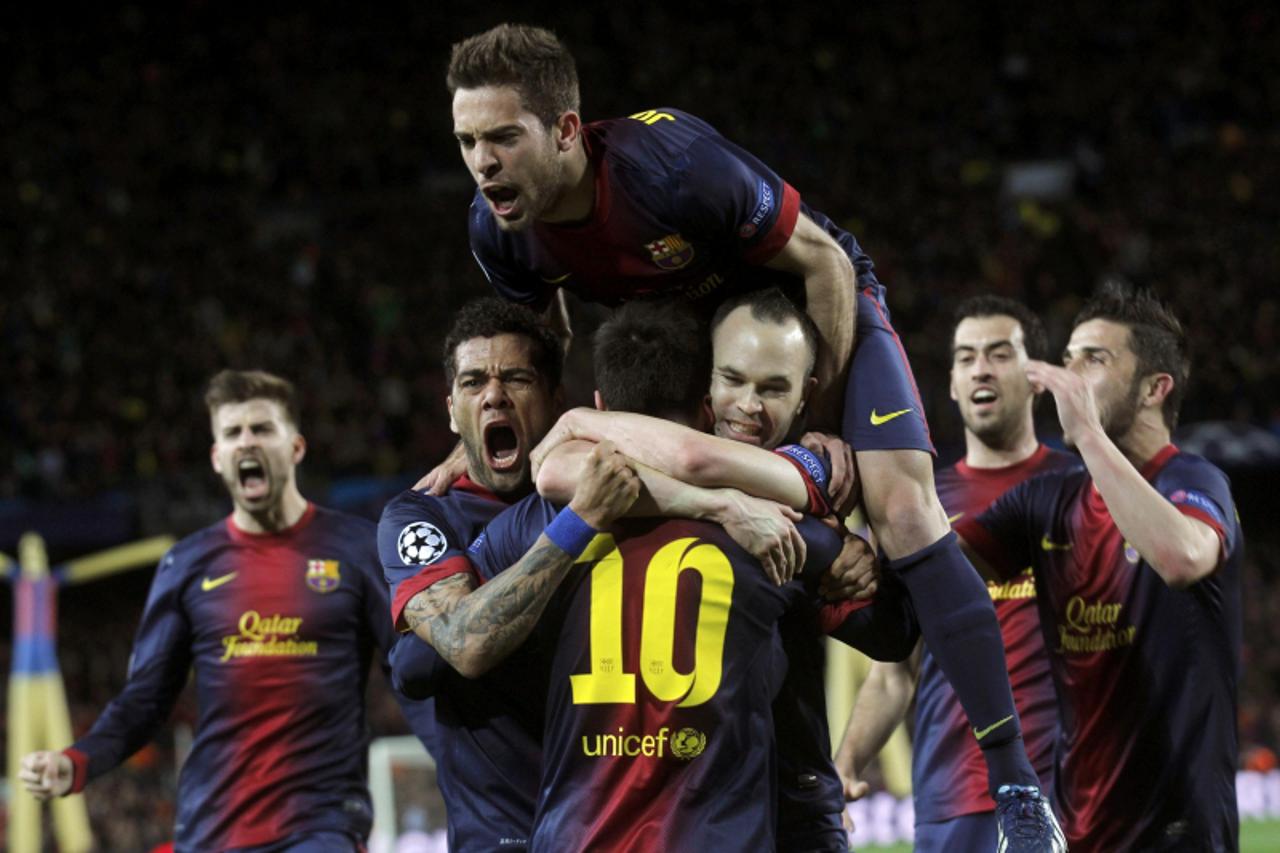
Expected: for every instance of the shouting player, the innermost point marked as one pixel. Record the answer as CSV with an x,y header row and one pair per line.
x,y
276,608
991,341
659,203
1137,570
503,366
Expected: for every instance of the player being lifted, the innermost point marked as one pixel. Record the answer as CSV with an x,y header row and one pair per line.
x,y
990,343
1137,570
662,204
276,608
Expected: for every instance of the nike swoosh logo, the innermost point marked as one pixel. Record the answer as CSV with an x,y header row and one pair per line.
x,y
877,420
555,280
1049,545
213,583
980,734
952,519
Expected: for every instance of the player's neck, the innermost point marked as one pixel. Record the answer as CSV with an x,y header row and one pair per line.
x,y
278,517
1147,437
1019,448
579,198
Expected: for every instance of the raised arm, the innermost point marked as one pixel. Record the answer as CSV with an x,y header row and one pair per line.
x,y
475,627
682,453
1181,549
830,289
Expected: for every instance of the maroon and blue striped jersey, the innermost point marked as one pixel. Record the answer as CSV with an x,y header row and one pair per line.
x,y
679,210
1146,675
948,772
279,629
664,660
488,748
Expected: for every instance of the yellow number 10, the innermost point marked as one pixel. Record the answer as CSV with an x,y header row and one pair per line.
x,y
607,682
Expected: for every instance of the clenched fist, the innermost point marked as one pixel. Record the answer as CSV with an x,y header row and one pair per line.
x,y
46,774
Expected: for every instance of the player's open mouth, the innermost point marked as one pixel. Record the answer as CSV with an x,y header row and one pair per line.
x,y
502,199
253,478
983,397
501,447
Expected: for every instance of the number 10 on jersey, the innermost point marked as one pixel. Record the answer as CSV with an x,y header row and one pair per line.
x,y
607,682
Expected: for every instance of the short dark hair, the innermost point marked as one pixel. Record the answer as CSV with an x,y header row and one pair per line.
x,y
772,305
1034,339
1155,336
488,317
653,358
241,386
532,60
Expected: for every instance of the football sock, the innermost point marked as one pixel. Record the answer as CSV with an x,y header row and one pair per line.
x,y
959,624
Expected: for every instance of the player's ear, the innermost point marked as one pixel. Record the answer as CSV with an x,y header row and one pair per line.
x,y
704,420
1156,388
453,425
600,401
951,386
568,128
809,384
299,447
213,458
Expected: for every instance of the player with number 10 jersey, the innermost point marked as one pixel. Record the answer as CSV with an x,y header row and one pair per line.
x,y
663,663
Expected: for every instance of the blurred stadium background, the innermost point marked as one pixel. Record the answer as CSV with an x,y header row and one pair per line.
x,y
192,187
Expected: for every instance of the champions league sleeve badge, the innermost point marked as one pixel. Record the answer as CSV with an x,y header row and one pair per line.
x,y
421,543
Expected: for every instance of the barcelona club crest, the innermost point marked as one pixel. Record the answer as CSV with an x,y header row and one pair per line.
x,y
322,575
671,252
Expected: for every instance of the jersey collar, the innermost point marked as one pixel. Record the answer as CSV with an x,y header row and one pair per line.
x,y
1029,464
1156,463
249,536
470,486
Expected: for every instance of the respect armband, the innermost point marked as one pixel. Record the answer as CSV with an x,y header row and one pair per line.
x,y
568,532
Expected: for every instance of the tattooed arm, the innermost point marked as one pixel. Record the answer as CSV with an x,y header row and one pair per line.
x,y
474,628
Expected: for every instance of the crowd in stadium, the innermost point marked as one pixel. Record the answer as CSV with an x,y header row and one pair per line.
x,y
283,194
209,191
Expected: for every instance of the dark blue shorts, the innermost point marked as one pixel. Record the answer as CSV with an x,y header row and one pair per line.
x,y
882,406
816,834
971,833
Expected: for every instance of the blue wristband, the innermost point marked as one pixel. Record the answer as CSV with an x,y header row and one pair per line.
x,y
569,532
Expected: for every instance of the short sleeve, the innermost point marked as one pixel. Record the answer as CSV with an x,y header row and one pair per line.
x,y
815,471
1202,492
729,193
417,547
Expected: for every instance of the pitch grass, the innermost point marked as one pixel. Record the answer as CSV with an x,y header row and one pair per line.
x,y
1256,836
